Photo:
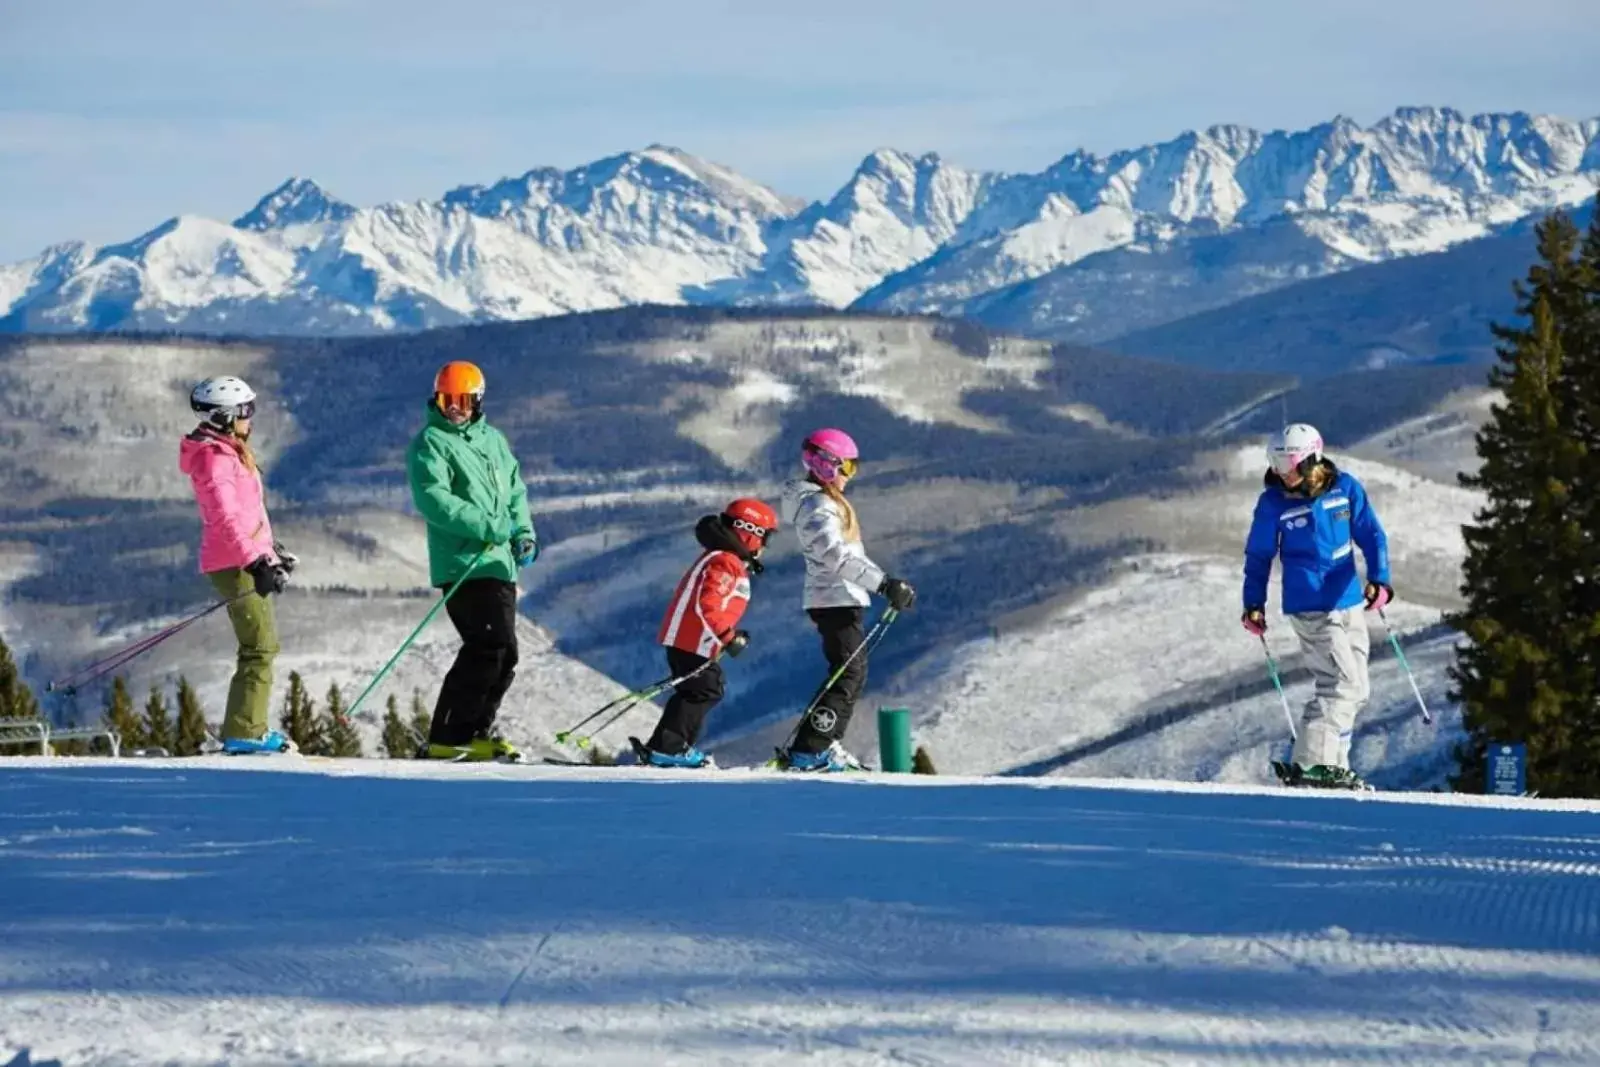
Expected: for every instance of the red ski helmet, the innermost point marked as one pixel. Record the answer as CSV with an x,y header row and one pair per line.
x,y
751,521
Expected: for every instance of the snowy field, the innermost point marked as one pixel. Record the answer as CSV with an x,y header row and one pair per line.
x,y
298,911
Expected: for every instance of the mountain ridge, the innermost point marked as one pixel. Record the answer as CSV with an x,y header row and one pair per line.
x,y
903,233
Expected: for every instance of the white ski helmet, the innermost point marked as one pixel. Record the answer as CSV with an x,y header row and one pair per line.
x,y
221,400
1296,447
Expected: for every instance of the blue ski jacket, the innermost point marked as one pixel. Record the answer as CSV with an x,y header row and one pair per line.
x,y
1315,536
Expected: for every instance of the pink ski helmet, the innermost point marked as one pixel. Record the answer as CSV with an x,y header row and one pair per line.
x,y
828,453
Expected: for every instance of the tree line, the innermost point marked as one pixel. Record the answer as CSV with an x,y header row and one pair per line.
x,y
178,726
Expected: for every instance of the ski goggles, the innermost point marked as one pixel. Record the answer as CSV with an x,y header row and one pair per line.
x,y
751,528
1285,462
458,401
846,467
245,410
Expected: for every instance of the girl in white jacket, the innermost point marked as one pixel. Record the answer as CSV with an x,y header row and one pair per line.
x,y
840,578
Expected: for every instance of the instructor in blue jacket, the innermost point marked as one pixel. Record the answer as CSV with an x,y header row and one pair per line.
x,y
1314,516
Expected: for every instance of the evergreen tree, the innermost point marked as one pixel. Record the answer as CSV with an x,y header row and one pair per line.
x,y
421,720
1531,671
158,721
398,740
299,719
343,740
191,737
16,698
121,716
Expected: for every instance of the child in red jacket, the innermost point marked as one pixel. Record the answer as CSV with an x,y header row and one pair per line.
x,y
701,624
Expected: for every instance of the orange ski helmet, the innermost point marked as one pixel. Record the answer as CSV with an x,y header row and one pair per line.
x,y
459,384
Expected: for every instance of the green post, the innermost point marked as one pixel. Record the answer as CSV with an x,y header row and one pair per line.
x,y
894,739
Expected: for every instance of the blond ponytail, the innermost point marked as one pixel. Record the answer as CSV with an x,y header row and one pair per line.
x,y
847,513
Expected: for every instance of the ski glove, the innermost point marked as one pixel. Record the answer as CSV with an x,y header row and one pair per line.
x,y
1377,595
737,643
286,559
1254,620
525,550
269,577
898,592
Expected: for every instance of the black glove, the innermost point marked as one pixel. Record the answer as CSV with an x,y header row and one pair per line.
x,y
269,577
1378,595
286,559
899,593
737,643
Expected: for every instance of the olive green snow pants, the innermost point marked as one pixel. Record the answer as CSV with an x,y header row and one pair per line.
x,y
251,689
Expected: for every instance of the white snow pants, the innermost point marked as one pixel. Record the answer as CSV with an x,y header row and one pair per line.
x,y
1334,644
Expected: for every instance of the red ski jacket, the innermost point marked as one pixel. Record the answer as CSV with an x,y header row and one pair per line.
x,y
707,605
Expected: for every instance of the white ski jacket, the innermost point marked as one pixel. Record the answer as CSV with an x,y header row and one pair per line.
x,y
838,572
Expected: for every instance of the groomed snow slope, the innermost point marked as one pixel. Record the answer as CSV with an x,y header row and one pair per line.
x,y
214,912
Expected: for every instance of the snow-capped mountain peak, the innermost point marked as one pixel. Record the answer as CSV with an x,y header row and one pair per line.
x,y
906,232
297,202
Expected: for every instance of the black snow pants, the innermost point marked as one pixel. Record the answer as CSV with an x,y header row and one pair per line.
x,y
842,633
685,713
484,611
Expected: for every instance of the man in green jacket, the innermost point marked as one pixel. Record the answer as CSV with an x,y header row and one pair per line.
x,y
468,487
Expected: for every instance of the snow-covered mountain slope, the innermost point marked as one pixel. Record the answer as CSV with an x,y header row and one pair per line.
x,y
1426,308
325,912
1012,482
903,233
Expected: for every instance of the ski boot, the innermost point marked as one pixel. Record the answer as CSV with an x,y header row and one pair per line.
x,y
834,758
268,743
690,757
1318,776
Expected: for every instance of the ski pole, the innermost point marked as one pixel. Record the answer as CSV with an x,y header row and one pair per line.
x,y
874,635
350,712
627,701
1272,669
1427,717
128,653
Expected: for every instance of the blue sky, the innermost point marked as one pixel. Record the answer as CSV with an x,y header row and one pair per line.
x,y
116,114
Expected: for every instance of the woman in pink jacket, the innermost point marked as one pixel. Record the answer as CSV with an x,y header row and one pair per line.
x,y
237,552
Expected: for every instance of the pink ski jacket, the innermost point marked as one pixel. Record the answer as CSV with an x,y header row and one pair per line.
x,y
233,512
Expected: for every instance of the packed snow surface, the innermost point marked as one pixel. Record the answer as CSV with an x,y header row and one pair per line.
x,y
287,910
